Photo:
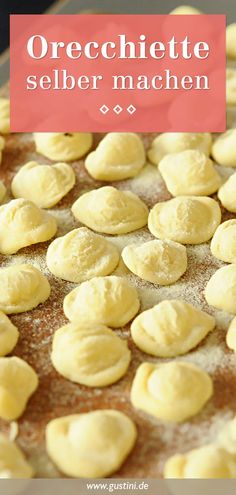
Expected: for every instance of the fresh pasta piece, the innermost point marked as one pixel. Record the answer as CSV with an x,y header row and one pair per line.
x,y
231,342
13,463
231,40
185,10
8,335
63,146
223,243
45,185
207,462
111,301
81,255
90,445
24,224
189,173
230,86
90,355
175,142
227,193
18,381
22,288
119,155
220,291
185,219
159,262
173,391
111,211
170,328
224,149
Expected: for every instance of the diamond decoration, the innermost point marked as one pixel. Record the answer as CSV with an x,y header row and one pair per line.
x,y
104,109
131,109
117,109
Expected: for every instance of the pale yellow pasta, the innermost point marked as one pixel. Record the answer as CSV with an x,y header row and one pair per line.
x,y
220,291
90,445
231,336
173,391
45,185
185,219
24,224
18,381
209,461
170,328
111,211
13,463
231,40
224,149
185,10
119,155
230,86
175,142
80,255
159,262
227,194
90,355
22,288
188,173
223,243
8,335
111,301
63,146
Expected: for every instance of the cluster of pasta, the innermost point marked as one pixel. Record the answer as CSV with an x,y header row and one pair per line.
x,y
87,350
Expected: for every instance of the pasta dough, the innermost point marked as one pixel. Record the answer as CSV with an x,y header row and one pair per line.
x,y
231,339
2,145
111,301
189,220
90,445
188,173
18,381
2,190
170,328
12,461
91,355
173,391
220,291
216,460
45,185
230,86
4,116
209,461
227,437
231,40
81,255
22,288
63,146
185,10
159,262
227,193
111,211
223,244
174,142
24,224
119,155
224,149
8,335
